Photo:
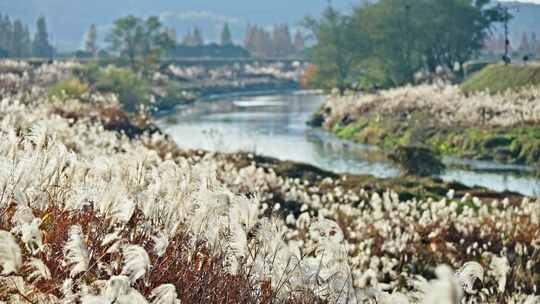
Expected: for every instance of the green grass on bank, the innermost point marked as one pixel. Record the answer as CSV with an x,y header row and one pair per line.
x,y
513,145
497,78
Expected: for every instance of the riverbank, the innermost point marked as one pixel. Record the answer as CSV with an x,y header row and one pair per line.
x,y
501,127
164,87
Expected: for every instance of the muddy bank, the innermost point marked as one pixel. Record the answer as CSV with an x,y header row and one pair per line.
x,y
407,187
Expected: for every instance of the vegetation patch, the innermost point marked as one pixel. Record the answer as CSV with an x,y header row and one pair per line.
x,y
497,78
68,89
418,161
132,90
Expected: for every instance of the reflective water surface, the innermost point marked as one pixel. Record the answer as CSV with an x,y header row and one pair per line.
x,y
275,125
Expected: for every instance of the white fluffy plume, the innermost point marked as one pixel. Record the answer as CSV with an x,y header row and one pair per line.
x,y
161,242
468,274
164,294
40,271
75,251
89,299
119,291
446,289
10,253
136,262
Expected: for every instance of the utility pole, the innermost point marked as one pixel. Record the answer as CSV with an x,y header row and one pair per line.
x,y
506,19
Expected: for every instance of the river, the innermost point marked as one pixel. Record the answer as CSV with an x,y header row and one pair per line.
x,y
275,125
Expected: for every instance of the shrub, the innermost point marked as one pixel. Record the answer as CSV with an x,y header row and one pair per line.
x,y
131,89
418,161
174,95
88,72
69,88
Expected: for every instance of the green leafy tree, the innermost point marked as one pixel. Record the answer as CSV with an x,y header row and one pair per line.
x,y
41,47
132,90
226,36
457,30
90,43
338,48
405,41
142,42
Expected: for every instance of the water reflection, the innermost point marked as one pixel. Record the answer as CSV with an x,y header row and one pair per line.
x,y
276,126
495,181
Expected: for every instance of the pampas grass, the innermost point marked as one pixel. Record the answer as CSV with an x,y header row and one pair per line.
x,y
89,215
76,253
10,254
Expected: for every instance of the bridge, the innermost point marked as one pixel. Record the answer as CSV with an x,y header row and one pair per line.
x,y
187,62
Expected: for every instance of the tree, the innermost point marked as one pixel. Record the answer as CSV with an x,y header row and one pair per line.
x,y
405,41
171,32
299,42
193,38
226,37
90,43
337,50
6,35
392,30
281,41
41,46
141,41
26,42
198,39
14,38
263,44
17,49
457,30
249,38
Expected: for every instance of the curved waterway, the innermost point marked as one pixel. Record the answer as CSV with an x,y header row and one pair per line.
x,y
275,125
